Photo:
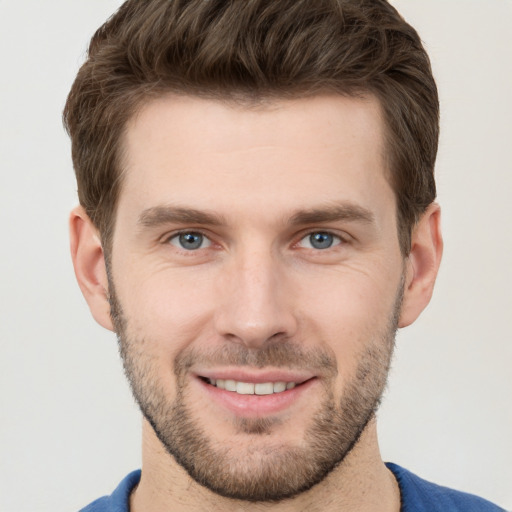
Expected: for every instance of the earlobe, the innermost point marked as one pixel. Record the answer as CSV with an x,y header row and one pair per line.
x,y
89,264
422,265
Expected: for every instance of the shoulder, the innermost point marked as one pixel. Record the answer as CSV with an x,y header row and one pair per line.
x,y
118,501
418,495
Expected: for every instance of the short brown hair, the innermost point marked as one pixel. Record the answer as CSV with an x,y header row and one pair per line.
x,y
253,49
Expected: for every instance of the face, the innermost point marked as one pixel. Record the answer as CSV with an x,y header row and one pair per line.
x,y
255,282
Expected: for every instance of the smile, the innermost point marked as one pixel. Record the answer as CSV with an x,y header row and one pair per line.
x,y
255,394
249,388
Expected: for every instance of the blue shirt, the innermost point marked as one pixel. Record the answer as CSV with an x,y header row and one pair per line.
x,y
417,495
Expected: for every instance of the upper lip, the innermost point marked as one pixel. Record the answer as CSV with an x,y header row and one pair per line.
x,y
256,376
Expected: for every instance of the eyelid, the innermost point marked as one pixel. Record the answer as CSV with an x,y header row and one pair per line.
x,y
179,231
343,237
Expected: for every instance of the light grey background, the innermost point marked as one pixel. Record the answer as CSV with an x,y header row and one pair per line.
x,y
68,428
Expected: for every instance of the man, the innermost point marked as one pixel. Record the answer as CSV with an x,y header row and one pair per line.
x,y
256,220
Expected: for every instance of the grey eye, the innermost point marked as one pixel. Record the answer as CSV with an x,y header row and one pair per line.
x,y
190,241
320,240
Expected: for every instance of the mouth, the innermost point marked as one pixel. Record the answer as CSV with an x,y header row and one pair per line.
x,y
251,388
253,395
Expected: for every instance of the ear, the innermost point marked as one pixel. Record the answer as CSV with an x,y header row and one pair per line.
x,y
422,265
89,264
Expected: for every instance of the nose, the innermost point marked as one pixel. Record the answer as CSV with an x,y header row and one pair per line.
x,y
255,303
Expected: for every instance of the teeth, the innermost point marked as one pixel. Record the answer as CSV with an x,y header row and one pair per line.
x,y
230,385
279,387
245,388
266,388
248,388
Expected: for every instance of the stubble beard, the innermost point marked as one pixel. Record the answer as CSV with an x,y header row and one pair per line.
x,y
261,471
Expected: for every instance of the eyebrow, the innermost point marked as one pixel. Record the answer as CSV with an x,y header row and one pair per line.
x,y
159,215
332,213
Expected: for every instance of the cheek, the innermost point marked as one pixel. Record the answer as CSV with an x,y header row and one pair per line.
x,y
166,309
348,313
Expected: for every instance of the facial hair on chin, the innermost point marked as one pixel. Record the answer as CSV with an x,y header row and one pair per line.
x,y
268,472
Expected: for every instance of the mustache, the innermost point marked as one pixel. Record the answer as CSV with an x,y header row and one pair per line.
x,y
280,354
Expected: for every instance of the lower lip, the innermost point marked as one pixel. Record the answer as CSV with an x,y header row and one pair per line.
x,y
252,406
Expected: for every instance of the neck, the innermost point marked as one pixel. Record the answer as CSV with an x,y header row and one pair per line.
x,y
360,483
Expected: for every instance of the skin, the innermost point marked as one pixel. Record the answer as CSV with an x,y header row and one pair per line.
x,y
259,172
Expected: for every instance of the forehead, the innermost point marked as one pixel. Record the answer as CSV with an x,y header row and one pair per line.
x,y
213,154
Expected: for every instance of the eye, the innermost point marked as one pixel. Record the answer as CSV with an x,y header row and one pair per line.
x,y
320,240
190,241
